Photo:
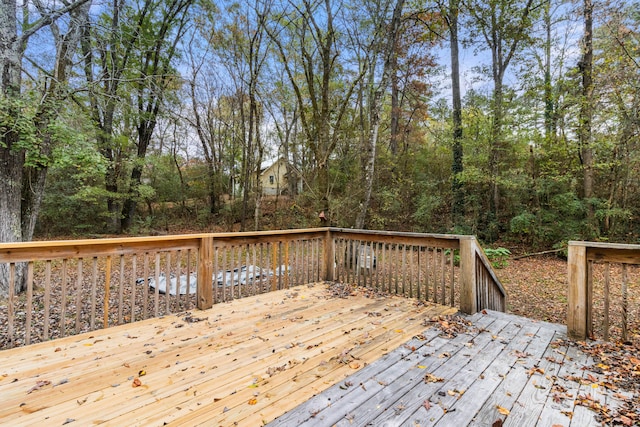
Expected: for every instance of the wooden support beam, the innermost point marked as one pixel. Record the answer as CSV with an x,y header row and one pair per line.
x,y
205,274
468,291
578,321
329,257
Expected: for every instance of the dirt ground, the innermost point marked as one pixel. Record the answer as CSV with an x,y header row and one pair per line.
x,y
537,288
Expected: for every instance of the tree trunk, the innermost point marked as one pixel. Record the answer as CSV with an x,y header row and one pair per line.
x,y
12,159
497,148
22,184
389,54
549,107
586,110
458,209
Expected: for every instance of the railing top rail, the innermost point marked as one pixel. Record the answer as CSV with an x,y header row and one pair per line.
x,y
401,233
128,240
612,252
52,249
604,245
487,264
57,249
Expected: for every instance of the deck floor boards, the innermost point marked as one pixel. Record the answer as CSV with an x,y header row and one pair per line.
x,y
246,361
305,357
502,370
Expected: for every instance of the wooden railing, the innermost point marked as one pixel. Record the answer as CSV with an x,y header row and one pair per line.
x,y
81,285
599,280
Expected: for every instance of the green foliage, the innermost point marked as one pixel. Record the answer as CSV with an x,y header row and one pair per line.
x,y
427,206
16,116
524,224
74,201
498,256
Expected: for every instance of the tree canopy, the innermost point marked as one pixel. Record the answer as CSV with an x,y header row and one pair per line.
x,y
512,120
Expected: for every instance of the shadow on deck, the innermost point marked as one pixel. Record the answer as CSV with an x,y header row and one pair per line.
x,y
310,355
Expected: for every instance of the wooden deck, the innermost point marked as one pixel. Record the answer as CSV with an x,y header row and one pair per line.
x,y
310,355
246,362
500,370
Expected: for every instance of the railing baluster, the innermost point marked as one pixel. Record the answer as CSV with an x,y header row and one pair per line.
x,y
605,326
145,288
216,273
11,308
156,290
274,261
239,286
232,267
625,302
94,284
121,290
132,298
286,265
255,268
63,298
403,267
314,262
107,287
188,296
396,268
452,277
419,273
223,271
78,294
443,280
295,262
437,293
427,274
29,308
47,299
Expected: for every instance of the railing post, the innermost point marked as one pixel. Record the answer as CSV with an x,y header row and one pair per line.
x,y
204,293
468,291
329,257
578,310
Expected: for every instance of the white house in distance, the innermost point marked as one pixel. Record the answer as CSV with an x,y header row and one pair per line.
x,y
273,179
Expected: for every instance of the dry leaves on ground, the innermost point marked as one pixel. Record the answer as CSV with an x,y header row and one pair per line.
x,y
450,326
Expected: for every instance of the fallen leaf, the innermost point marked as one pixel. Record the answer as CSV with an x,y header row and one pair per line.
x,y
426,404
142,373
626,420
136,382
535,370
430,378
253,401
354,365
39,385
497,423
503,411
